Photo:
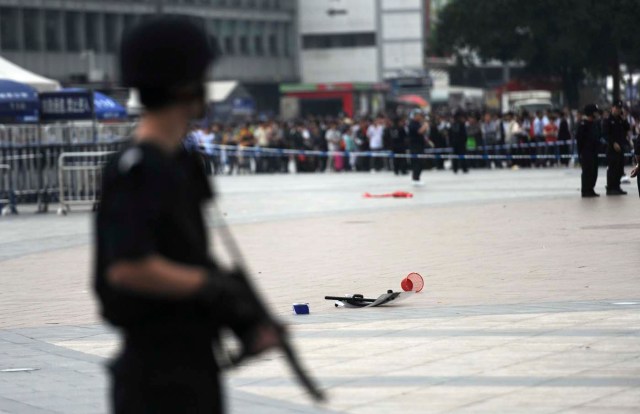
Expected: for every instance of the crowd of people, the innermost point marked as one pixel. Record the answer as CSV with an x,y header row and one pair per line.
x,y
470,139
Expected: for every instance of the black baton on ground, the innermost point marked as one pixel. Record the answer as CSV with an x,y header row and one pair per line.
x,y
286,347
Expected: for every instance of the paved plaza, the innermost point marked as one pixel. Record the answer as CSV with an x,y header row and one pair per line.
x,y
531,303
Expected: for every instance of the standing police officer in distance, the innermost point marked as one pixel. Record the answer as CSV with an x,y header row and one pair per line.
x,y
588,140
154,276
615,129
458,136
416,131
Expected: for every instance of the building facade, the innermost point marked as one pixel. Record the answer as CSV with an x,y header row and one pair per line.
x,y
361,40
76,41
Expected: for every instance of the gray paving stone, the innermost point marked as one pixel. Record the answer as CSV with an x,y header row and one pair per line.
x,y
521,312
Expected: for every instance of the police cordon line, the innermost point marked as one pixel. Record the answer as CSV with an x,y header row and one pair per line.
x,y
433,153
35,173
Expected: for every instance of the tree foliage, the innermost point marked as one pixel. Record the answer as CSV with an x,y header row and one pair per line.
x,y
569,39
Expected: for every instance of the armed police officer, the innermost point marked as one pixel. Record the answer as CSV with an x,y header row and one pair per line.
x,y
416,131
154,276
588,140
458,136
615,129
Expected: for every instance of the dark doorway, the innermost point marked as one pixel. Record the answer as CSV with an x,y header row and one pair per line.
x,y
321,107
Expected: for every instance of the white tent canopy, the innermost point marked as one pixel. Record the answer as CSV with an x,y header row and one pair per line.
x,y
220,90
11,71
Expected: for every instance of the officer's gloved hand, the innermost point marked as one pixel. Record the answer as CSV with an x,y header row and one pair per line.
x,y
260,332
233,303
259,338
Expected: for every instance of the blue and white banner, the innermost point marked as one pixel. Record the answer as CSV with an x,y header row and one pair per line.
x,y
66,106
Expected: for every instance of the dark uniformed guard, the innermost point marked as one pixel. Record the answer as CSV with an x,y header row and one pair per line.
x,y
588,140
154,276
396,135
416,131
458,136
636,158
615,129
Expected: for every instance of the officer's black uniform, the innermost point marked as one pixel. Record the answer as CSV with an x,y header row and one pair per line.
x,y
615,129
636,152
397,138
588,140
417,146
151,204
151,207
458,136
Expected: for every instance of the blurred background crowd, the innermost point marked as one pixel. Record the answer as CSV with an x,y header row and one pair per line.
x,y
544,138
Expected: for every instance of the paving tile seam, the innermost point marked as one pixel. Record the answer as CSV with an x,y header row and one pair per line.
x,y
612,395
467,311
468,381
454,333
51,349
535,385
586,403
24,407
358,408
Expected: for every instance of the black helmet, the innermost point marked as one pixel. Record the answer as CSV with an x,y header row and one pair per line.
x,y
591,109
166,59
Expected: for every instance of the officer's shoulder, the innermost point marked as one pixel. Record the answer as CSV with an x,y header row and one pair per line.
x,y
135,160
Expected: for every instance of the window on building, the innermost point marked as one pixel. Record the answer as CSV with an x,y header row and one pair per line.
x,y
214,30
365,39
52,35
91,26
244,36
343,40
288,39
9,34
72,31
229,47
258,38
112,33
257,45
273,45
31,22
244,45
227,36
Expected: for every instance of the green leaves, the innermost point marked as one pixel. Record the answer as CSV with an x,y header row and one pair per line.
x,y
553,37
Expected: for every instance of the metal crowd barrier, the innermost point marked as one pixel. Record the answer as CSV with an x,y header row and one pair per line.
x,y
80,179
29,156
7,197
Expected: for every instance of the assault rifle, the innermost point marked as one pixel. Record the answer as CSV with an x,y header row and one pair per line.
x,y
283,341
